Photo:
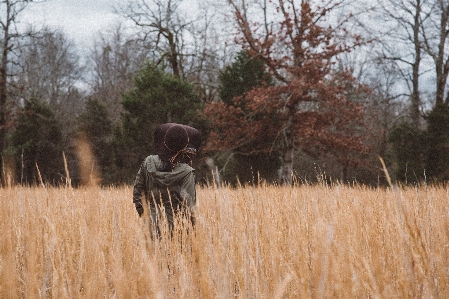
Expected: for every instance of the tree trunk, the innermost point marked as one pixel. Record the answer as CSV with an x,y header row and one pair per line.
x,y
173,57
442,66
3,92
288,152
2,123
287,165
415,98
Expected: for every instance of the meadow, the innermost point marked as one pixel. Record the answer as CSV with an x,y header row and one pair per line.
x,y
305,241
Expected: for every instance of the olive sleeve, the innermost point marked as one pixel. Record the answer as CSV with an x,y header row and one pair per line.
x,y
188,191
139,185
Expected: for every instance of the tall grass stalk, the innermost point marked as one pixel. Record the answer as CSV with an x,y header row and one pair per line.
x,y
250,242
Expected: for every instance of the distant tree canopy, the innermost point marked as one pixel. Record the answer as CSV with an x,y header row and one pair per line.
x,y
37,142
278,88
157,97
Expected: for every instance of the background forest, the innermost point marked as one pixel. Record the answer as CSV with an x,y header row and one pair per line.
x,y
317,89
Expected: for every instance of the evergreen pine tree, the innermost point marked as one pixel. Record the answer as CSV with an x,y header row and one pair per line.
x,y
157,97
437,140
242,76
408,148
37,141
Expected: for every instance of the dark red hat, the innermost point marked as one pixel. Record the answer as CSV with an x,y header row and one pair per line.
x,y
176,142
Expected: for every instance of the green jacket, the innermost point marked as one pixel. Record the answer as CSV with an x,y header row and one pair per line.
x,y
150,181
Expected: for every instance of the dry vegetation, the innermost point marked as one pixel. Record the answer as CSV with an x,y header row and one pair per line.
x,y
252,242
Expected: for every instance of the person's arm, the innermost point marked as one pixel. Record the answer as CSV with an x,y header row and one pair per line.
x,y
139,188
188,191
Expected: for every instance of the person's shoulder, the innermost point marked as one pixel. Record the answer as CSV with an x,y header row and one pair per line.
x,y
154,158
152,162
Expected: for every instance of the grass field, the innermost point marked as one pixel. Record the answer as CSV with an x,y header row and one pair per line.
x,y
250,242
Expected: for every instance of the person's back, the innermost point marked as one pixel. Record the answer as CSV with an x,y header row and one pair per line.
x,y
167,179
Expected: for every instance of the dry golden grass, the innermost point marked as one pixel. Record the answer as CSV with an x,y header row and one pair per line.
x,y
252,242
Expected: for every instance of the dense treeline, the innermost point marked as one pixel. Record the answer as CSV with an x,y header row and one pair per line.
x,y
283,90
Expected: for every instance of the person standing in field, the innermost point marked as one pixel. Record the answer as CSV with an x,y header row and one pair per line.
x,y
167,179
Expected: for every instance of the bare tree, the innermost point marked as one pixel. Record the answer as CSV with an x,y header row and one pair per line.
x,y
398,30
193,39
50,67
115,58
436,43
164,28
385,107
9,19
213,48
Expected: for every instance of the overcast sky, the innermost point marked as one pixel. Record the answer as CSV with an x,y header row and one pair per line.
x,y
79,19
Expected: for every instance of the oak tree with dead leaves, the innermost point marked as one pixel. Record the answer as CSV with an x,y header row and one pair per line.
x,y
311,107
